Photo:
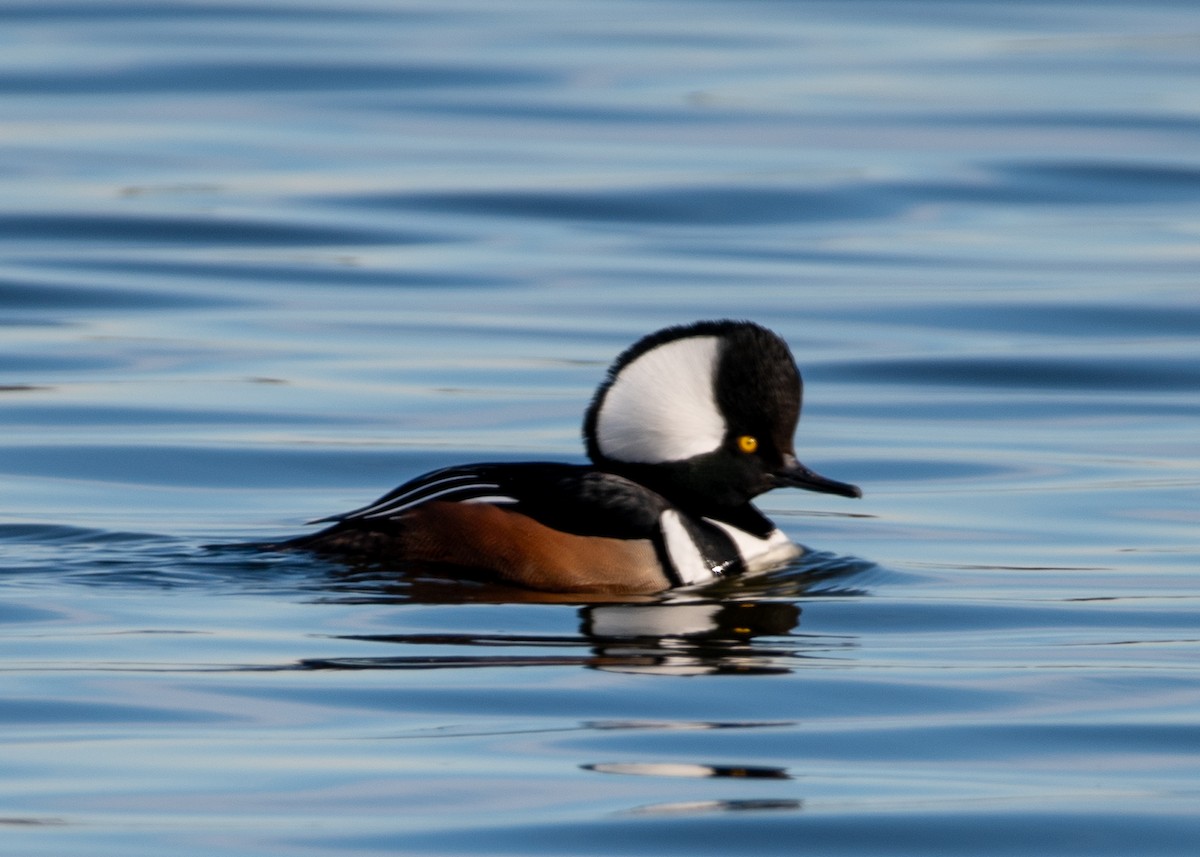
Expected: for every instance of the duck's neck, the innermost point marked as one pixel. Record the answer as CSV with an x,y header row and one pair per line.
x,y
677,490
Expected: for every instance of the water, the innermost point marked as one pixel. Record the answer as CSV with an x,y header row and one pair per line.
x,y
263,261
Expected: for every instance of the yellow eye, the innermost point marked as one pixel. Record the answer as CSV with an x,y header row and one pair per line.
x,y
747,443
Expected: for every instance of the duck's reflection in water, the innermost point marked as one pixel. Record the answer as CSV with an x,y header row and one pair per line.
x,y
680,769
710,806
703,806
740,627
692,638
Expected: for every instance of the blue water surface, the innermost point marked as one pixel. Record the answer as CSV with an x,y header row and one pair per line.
x,y
262,261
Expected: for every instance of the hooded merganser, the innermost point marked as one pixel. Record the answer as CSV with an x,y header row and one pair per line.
x,y
691,423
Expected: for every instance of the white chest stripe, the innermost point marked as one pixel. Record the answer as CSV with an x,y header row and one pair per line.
x,y
689,563
760,554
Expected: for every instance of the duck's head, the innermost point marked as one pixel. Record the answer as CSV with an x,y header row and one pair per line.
x,y
704,414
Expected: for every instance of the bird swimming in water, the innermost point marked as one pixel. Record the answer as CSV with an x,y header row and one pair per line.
x,y
689,426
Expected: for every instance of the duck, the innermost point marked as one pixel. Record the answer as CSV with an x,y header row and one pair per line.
x,y
690,424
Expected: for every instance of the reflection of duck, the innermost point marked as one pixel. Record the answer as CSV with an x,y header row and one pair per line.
x,y
690,769
696,807
671,637
676,768
700,619
691,424
687,638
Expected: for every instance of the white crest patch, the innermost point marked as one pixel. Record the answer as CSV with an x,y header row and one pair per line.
x,y
662,406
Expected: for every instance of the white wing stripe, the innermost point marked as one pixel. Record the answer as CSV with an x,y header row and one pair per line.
x,y
416,491
406,502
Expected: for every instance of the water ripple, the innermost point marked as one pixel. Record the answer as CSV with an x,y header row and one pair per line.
x,y
123,10
251,77
1132,374
1007,184
666,205
176,229
31,295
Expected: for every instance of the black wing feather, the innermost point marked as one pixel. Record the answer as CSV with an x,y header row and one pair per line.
x,y
573,498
